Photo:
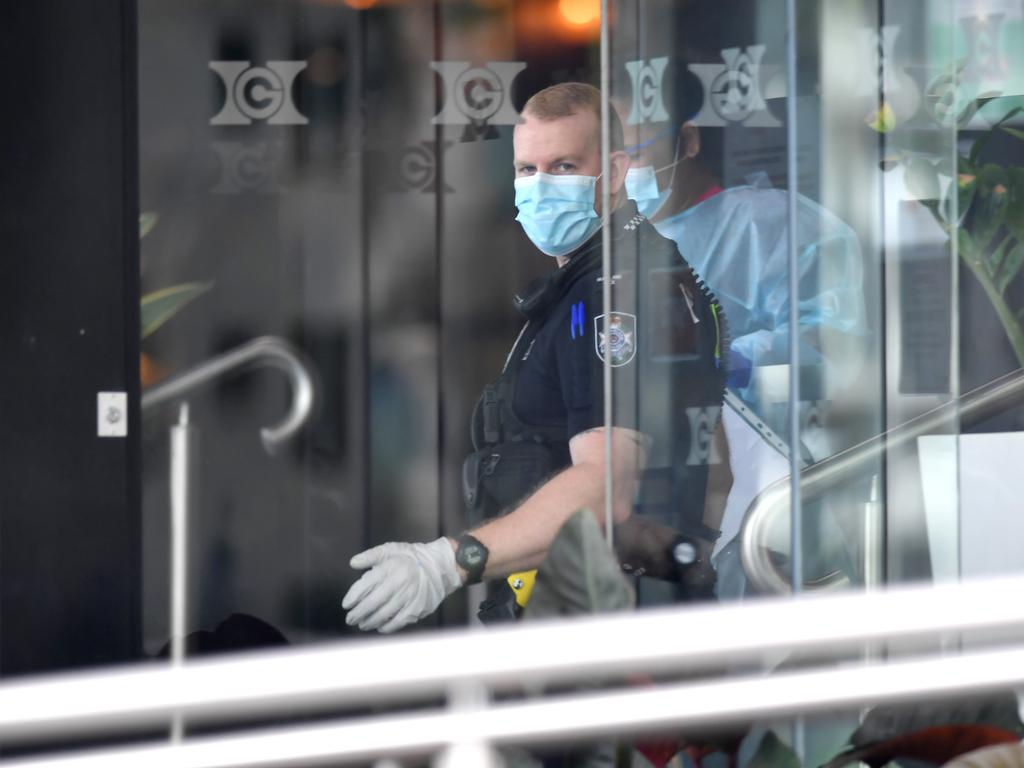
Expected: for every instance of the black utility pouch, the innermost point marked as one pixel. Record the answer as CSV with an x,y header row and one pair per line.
x,y
497,478
501,607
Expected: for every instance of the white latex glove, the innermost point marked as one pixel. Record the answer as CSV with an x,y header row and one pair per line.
x,y
405,583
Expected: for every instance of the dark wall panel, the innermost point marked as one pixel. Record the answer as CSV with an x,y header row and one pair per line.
x,y
69,500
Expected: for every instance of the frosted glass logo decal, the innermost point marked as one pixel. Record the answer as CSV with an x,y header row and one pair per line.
x,y
258,93
477,97
246,168
983,37
648,104
732,91
703,447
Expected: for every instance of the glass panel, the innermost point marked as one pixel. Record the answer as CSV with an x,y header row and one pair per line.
x,y
338,175
702,90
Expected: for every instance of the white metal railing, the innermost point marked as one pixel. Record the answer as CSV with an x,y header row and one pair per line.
x,y
698,642
569,718
773,503
261,352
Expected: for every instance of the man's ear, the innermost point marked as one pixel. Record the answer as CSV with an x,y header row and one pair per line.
x,y
689,141
618,162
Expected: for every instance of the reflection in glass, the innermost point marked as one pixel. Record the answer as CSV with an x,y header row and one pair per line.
x,y
351,177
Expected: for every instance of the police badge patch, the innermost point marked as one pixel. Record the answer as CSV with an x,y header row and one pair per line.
x,y
621,343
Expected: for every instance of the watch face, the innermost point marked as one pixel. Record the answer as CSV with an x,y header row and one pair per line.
x,y
472,554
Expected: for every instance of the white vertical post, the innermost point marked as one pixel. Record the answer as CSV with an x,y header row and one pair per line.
x,y
473,752
872,565
180,455
873,542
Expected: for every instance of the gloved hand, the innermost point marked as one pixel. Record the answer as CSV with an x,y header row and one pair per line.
x,y
405,583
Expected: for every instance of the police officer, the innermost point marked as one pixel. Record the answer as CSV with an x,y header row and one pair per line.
x,y
540,427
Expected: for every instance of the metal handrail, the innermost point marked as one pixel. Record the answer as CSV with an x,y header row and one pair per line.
x,y
423,665
815,480
317,678
269,351
568,719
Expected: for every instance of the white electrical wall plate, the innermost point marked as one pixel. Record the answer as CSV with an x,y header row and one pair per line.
x,y
112,414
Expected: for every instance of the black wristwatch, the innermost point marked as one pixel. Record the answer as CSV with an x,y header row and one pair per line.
x,y
471,555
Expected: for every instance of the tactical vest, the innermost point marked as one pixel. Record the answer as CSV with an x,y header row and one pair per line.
x,y
511,457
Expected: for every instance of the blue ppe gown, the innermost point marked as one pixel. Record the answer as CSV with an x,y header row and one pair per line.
x,y
736,241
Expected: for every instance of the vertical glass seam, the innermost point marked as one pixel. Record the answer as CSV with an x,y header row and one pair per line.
x,y
606,267
880,556
954,315
439,211
796,533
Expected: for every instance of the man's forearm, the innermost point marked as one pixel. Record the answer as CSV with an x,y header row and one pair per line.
x,y
519,540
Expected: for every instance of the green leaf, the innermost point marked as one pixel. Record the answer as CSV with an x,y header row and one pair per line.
x,y
1015,205
959,192
966,186
579,574
1008,116
983,140
995,258
965,245
979,145
991,175
974,106
921,179
160,306
1010,267
147,221
991,205
773,752
1013,132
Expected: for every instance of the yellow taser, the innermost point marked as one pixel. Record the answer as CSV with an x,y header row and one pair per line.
x,y
522,586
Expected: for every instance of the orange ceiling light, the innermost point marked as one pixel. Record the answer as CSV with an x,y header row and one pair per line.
x,y
360,5
580,12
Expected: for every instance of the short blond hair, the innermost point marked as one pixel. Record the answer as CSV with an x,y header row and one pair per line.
x,y
565,99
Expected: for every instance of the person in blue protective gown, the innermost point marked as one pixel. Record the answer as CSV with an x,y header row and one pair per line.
x,y
737,240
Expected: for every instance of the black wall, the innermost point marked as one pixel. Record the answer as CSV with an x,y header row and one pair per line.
x,y
69,262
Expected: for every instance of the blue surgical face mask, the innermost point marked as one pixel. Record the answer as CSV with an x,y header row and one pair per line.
x,y
642,188
557,212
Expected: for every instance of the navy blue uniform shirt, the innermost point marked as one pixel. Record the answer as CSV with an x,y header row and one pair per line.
x,y
665,343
